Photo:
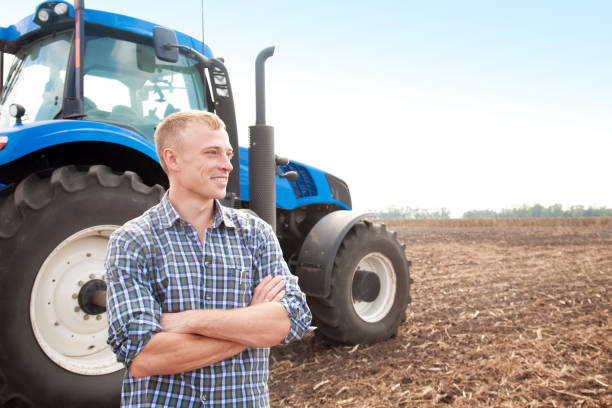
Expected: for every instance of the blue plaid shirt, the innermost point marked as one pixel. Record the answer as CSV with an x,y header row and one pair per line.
x,y
156,263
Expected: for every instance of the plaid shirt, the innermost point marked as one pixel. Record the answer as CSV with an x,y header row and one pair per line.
x,y
156,263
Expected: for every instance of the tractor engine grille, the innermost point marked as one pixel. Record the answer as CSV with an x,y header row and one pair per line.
x,y
304,185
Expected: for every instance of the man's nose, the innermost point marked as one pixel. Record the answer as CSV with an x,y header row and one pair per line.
x,y
227,164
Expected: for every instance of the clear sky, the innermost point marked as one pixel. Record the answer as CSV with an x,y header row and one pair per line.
x,y
458,104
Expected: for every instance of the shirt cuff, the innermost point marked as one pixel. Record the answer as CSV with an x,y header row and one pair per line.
x,y
299,319
133,338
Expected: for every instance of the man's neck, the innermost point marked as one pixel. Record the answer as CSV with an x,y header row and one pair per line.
x,y
193,209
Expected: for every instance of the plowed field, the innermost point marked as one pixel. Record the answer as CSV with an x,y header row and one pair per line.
x,y
512,313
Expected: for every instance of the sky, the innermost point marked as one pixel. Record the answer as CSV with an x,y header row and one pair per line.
x,y
441,104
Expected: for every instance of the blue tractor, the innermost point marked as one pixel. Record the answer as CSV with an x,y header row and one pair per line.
x,y
79,107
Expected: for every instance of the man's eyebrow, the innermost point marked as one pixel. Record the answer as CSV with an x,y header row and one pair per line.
x,y
229,149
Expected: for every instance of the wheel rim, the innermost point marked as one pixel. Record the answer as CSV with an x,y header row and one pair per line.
x,y
72,339
377,309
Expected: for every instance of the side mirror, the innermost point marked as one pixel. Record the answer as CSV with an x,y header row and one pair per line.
x,y
165,44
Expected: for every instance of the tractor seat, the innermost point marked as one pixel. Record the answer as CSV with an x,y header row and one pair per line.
x,y
123,114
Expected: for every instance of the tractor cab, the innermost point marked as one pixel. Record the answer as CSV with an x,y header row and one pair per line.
x,y
123,82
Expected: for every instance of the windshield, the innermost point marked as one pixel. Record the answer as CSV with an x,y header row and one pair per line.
x,y
36,80
125,84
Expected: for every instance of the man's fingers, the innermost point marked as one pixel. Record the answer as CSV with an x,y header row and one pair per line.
x,y
258,292
267,283
272,291
276,289
278,297
268,289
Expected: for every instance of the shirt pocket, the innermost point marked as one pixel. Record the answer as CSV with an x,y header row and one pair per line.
x,y
233,279
232,287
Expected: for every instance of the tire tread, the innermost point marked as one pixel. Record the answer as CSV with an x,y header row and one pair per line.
x,y
30,197
331,323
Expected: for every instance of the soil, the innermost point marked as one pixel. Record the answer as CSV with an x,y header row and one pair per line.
x,y
504,314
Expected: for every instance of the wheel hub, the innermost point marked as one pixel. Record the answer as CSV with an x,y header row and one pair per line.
x,y
366,286
374,287
92,297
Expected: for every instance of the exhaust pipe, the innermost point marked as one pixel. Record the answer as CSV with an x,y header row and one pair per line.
x,y
262,166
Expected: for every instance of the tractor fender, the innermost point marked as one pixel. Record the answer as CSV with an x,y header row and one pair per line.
x,y
31,137
317,254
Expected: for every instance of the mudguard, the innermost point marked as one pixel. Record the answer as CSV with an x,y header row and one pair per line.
x,y
316,258
30,137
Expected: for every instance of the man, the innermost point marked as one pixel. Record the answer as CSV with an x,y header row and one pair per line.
x,y
197,293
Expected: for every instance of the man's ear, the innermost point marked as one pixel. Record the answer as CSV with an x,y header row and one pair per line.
x,y
171,160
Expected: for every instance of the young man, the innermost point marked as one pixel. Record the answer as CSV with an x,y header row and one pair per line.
x,y
197,293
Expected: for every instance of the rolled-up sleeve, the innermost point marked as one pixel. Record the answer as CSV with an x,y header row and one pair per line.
x,y
133,312
270,261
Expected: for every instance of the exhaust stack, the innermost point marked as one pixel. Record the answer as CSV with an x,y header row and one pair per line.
x,y
262,165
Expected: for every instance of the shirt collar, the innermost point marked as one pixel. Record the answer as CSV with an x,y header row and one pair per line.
x,y
168,215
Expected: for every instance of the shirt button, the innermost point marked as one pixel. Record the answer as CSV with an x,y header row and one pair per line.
x,y
203,397
208,297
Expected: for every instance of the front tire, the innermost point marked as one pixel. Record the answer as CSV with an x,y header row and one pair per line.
x,y
370,288
53,235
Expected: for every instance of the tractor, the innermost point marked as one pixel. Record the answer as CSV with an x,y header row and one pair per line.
x,y
78,110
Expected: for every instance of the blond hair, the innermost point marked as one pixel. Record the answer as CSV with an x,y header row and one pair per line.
x,y
168,133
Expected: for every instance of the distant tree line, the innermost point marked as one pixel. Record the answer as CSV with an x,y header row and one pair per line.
x,y
399,212
524,211
539,211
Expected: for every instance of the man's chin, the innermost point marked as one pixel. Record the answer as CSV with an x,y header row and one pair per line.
x,y
220,195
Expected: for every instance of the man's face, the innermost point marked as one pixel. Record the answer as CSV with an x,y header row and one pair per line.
x,y
203,161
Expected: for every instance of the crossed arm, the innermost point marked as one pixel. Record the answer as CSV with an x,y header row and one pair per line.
x,y
198,338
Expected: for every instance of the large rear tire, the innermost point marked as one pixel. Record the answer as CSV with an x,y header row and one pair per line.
x,y
369,291
53,235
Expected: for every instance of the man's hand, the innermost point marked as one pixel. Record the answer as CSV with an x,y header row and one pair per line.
x,y
270,289
176,322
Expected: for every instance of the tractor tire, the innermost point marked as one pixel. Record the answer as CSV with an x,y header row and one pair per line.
x,y
370,288
54,230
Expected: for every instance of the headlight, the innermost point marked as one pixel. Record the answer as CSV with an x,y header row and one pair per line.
x,y
43,15
16,110
52,12
339,190
60,8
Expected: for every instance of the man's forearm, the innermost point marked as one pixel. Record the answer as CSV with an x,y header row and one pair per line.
x,y
262,325
173,353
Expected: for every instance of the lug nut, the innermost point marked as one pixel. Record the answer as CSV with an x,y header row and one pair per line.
x,y
74,296
98,317
86,317
77,309
92,276
80,283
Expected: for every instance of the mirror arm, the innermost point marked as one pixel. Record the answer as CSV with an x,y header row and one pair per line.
x,y
190,52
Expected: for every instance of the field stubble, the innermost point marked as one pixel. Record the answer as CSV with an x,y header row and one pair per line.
x,y
505,313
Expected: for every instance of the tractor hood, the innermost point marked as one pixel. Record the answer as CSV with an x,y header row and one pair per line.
x,y
311,187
